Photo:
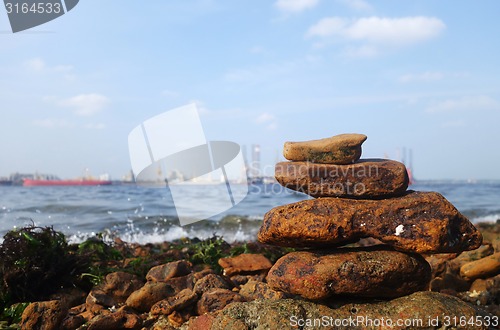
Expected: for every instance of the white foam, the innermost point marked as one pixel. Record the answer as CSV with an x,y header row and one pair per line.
x,y
487,218
173,233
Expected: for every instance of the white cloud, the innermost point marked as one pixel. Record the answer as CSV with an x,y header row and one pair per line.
x,y
264,118
295,6
38,65
268,120
96,126
379,29
359,5
467,103
272,126
200,105
377,32
52,123
421,77
35,64
86,104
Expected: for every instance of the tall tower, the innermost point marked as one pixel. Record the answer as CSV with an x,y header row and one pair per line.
x,y
245,171
255,166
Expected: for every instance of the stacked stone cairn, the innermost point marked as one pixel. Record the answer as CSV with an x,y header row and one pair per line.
x,y
357,199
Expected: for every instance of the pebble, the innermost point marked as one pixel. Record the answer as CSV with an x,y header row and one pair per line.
x,y
339,149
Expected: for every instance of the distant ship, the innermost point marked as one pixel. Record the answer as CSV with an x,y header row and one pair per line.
x,y
52,180
74,182
5,182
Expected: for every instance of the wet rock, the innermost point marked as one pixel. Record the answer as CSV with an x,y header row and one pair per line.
x,y
339,149
162,323
121,319
477,298
365,272
180,283
259,290
176,319
224,322
69,297
424,309
43,315
152,292
170,270
496,244
239,280
202,322
484,292
368,178
429,307
98,297
210,281
484,267
468,256
120,285
423,222
73,322
216,299
181,300
447,282
244,263
114,291
439,262
81,311
202,273
486,284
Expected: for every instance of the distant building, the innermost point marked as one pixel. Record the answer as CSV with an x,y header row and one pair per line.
x,y
255,166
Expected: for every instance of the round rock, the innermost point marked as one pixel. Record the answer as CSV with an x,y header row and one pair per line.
x,y
378,272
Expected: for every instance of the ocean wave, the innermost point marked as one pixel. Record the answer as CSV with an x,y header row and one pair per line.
x,y
157,229
486,218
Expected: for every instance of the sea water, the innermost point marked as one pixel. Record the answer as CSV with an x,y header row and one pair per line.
x,y
147,215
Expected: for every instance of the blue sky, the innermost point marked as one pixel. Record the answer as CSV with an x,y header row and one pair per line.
x,y
416,74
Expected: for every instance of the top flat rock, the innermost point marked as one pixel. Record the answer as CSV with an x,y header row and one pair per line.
x,y
339,149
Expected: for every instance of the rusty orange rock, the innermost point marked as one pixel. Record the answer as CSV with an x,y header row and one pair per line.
x,y
485,267
175,303
379,272
244,263
367,178
423,222
339,149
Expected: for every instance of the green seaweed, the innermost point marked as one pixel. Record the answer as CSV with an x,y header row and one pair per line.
x,y
209,252
34,263
12,314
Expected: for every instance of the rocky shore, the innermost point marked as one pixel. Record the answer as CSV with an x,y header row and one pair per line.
x,y
379,257
213,285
